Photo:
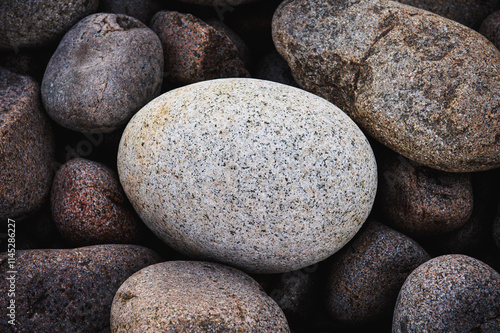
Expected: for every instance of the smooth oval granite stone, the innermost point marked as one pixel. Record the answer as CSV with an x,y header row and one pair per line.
x,y
451,293
104,70
89,206
26,147
36,23
187,296
420,201
423,85
69,290
256,174
194,50
365,277
468,12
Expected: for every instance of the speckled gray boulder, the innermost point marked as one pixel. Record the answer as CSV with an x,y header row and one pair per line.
x,y
185,296
35,23
256,174
420,201
69,290
451,293
104,70
365,277
423,85
26,147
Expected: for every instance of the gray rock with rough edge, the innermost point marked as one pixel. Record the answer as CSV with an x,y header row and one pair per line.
x,y
187,296
256,174
104,70
451,293
423,85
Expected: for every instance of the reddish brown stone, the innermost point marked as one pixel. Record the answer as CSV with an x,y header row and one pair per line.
x,y
68,290
26,147
89,206
195,51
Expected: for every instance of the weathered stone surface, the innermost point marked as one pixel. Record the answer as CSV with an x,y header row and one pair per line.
x,y
468,12
69,290
490,28
35,23
194,50
253,173
26,147
365,277
89,206
451,293
422,85
186,296
420,201
143,10
105,69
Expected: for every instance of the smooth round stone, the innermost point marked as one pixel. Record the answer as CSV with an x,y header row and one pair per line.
x,y
256,174
89,206
451,293
423,85
104,70
365,277
69,290
35,23
26,147
184,296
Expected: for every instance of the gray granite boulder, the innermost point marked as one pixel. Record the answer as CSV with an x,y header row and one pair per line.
x,y
104,70
186,296
365,277
256,174
69,290
26,147
423,85
451,293
36,23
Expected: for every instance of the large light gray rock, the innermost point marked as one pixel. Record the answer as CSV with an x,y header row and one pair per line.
x,y
423,85
256,174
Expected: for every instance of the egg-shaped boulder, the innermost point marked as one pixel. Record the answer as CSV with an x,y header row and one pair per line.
x,y
259,175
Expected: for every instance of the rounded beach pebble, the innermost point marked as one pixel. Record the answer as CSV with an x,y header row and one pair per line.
x,y
184,296
104,70
451,293
366,276
256,174
35,23
89,206
26,147
422,85
69,290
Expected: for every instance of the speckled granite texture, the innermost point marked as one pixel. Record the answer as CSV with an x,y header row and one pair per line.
x,y
451,293
256,174
186,296
423,85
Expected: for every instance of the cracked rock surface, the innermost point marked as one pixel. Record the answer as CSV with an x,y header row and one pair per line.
x,y
423,85
104,70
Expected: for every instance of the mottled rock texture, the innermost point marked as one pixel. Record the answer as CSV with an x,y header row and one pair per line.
x,y
451,293
256,174
186,296
104,70
194,50
468,12
69,290
36,23
490,28
423,85
89,206
365,277
421,201
26,147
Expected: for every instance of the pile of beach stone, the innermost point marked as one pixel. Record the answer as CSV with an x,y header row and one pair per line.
x,y
250,166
